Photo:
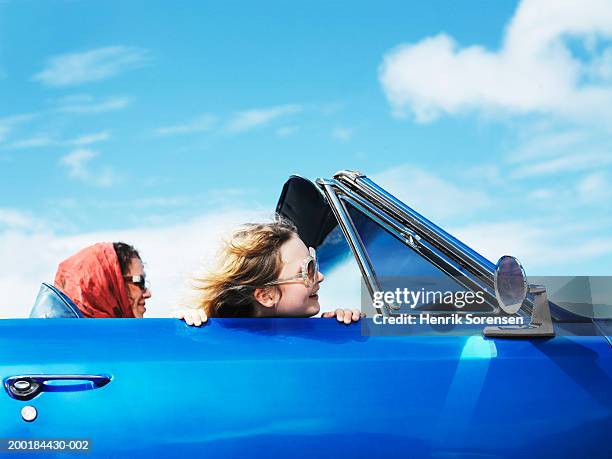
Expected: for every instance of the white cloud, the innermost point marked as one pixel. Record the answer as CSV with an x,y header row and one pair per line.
x,y
240,122
78,104
88,139
558,151
250,119
172,255
342,286
542,194
343,134
601,66
533,72
567,163
155,202
4,130
585,197
286,131
595,187
12,218
93,65
547,239
77,164
87,104
33,142
550,143
331,108
39,141
539,244
201,123
8,123
484,173
430,194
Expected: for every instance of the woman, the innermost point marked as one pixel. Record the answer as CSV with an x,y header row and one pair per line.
x,y
265,270
105,280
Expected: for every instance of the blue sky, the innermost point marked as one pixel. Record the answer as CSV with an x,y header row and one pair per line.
x,y
134,118
217,61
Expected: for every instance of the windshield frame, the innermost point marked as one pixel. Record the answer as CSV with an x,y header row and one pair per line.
x,y
339,195
338,190
413,242
412,225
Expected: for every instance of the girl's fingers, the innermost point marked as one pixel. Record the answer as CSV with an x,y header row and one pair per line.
x,y
348,317
198,316
188,318
191,316
195,317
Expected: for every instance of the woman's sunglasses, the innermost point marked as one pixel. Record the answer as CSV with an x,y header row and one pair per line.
x,y
309,273
140,281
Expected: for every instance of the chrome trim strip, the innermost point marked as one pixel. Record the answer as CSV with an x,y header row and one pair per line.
x,y
354,241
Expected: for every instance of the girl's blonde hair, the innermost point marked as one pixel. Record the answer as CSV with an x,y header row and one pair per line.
x,y
250,259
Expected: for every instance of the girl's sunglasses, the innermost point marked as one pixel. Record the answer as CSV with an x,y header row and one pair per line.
x,y
308,275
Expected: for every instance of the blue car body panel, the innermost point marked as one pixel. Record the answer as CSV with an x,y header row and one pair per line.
x,y
310,388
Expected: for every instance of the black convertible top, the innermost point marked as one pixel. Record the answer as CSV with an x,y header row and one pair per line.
x,y
304,204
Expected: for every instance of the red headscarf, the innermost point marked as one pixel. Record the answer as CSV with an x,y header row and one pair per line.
x,y
92,279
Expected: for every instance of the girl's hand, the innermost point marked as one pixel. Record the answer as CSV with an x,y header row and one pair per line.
x,y
191,316
344,315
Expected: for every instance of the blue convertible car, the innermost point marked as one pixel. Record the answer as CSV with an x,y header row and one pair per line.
x,y
280,388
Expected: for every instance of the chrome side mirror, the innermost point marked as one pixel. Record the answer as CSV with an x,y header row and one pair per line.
x,y
511,289
510,284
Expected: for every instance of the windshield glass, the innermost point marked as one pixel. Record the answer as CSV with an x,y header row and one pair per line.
x,y
342,285
397,265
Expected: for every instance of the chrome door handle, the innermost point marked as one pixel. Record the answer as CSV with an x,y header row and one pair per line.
x,y
26,387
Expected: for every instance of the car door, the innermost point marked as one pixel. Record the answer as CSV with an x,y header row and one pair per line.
x,y
306,388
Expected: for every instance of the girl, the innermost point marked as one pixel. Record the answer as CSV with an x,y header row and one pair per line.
x,y
265,270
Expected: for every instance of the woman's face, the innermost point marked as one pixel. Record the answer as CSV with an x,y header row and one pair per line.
x,y
137,296
296,300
